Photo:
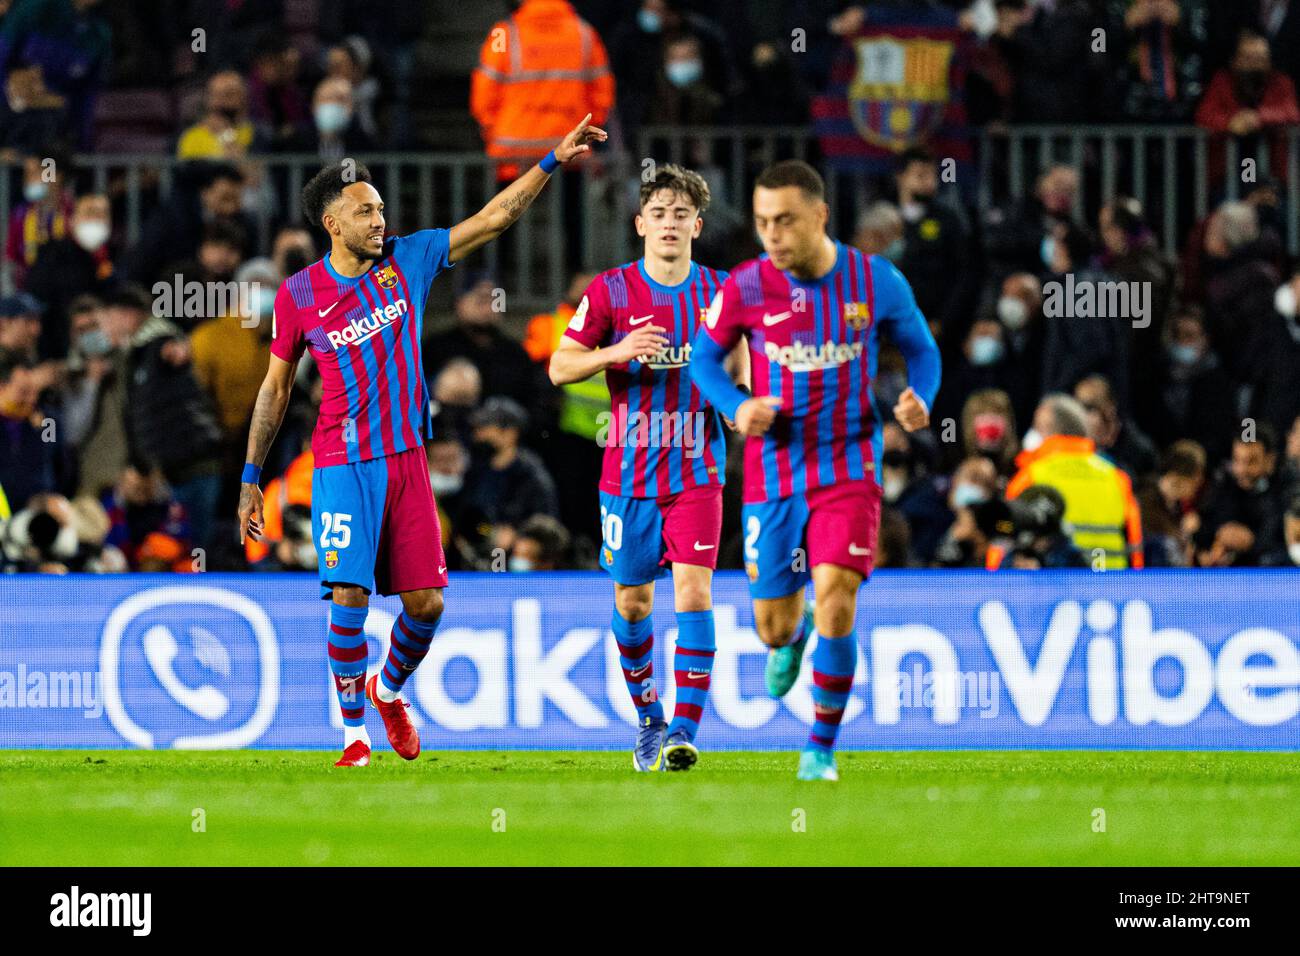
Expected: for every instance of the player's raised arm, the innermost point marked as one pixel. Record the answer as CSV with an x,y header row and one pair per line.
x,y
509,204
268,413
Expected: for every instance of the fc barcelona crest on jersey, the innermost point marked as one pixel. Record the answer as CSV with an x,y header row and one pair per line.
x,y
386,277
331,559
857,315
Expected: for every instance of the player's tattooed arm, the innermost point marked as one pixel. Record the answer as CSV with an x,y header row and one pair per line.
x,y
507,206
268,413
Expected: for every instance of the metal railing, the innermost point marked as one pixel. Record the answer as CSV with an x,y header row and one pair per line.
x,y
1177,172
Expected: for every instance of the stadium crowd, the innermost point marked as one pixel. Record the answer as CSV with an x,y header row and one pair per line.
x,y
1165,435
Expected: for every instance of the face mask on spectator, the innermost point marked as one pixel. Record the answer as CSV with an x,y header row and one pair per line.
x,y
985,350
1013,313
894,251
912,211
519,564
90,234
94,344
332,117
682,73
649,21
965,494
990,429
1033,438
35,192
1284,300
445,484
1047,252
1184,354
1294,551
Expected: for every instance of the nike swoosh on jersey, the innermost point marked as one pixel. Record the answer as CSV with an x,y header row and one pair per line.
x,y
774,319
643,319
324,312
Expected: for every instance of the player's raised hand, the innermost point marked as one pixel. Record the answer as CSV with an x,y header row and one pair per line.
x,y
250,511
755,415
579,140
642,342
910,412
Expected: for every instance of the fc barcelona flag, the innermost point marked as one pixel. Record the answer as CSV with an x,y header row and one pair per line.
x,y
898,83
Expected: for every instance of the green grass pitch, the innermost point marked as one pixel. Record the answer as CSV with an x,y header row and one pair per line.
x,y
280,808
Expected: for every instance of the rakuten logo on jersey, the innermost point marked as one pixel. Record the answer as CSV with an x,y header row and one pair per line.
x,y
801,357
358,330
670,357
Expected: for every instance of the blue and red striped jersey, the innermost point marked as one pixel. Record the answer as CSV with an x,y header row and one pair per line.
x,y
662,437
364,334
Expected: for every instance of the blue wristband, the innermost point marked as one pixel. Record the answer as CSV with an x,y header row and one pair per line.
x,y
252,474
549,162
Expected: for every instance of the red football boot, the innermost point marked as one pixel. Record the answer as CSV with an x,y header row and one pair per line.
x,y
357,754
401,732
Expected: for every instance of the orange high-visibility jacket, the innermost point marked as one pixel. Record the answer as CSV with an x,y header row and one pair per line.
x,y
539,73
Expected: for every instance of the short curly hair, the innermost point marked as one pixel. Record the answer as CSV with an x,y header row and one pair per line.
x,y
327,185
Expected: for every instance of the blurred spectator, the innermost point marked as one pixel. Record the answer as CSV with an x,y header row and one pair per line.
x,y
27,452
68,268
542,544
1241,516
639,51
1130,254
503,365
211,192
230,357
880,232
988,429
979,536
1275,392
935,246
214,263
1117,437
1289,473
1100,508
335,130
292,250
1239,289
52,535
1163,59
20,328
1014,234
981,364
457,390
974,482
539,71
1251,101
351,60
87,368
54,57
775,92
1020,310
1046,43
683,96
225,131
1291,532
911,490
277,103
1197,397
170,425
1168,507
147,523
1077,346
506,484
1039,538
42,216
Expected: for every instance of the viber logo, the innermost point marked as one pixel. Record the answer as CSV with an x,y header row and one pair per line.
x,y
198,667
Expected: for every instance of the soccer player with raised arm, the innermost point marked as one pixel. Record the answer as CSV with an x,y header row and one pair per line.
x,y
661,486
811,310
360,313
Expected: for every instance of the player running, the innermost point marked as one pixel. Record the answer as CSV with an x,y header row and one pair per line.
x,y
661,487
811,310
360,311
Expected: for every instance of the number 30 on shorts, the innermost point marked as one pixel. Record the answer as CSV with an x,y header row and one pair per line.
x,y
335,532
611,528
